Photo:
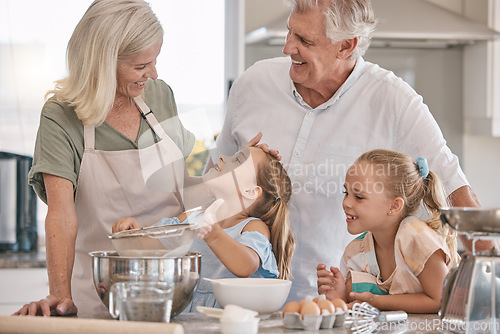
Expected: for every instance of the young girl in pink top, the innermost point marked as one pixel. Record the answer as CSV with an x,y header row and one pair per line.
x,y
399,261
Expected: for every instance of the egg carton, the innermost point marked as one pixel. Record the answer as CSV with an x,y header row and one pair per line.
x,y
314,322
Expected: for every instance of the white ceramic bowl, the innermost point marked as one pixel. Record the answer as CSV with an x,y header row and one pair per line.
x,y
263,295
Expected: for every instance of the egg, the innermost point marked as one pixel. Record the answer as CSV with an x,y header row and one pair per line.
x,y
339,304
326,305
292,307
319,298
310,308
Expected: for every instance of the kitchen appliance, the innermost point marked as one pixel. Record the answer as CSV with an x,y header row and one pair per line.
x,y
182,272
18,230
471,294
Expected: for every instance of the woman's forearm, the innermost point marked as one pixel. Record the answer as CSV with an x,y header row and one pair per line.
x,y
60,236
61,227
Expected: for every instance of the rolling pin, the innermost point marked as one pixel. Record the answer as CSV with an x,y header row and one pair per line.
x,y
27,324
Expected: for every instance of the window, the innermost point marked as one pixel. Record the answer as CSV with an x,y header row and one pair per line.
x,y
33,39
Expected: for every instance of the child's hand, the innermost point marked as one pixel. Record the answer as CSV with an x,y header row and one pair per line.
x,y
202,232
330,282
209,218
124,224
361,297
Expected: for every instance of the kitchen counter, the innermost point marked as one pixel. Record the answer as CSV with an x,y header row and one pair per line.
x,y
10,260
197,323
193,323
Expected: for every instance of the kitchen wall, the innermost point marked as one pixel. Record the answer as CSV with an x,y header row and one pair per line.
x,y
436,74
482,163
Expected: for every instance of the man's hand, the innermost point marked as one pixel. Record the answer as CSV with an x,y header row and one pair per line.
x,y
254,142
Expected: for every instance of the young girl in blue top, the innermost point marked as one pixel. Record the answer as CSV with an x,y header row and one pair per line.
x,y
399,261
251,236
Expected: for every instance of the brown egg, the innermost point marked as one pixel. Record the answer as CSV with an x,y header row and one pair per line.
x,y
319,298
302,302
339,303
326,305
310,307
291,307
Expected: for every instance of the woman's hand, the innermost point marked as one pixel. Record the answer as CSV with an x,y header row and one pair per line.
x,y
127,223
330,282
51,305
254,142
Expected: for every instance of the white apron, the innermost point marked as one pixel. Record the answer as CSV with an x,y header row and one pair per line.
x,y
111,186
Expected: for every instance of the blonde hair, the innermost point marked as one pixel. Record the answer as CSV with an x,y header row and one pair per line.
x,y
108,32
272,208
344,19
401,178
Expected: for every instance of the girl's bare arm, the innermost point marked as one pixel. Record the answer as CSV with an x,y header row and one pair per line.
x,y
431,278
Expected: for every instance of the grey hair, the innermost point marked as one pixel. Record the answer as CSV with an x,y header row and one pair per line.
x,y
344,19
109,32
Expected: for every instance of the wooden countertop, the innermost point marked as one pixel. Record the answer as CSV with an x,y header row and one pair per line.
x,y
10,324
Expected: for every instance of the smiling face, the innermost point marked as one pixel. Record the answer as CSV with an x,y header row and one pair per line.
x,y
314,57
134,71
366,204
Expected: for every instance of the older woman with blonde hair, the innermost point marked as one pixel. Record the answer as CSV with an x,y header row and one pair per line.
x,y
86,160
95,130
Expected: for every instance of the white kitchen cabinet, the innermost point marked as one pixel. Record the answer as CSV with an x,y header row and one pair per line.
x,y
21,285
482,75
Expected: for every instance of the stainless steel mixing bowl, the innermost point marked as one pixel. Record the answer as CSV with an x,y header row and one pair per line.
x,y
472,220
183,272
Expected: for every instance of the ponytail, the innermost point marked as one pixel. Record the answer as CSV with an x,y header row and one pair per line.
x,y
282,240
433,200
272,208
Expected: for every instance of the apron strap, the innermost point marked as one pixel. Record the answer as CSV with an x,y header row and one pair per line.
x,y
148,115
89,137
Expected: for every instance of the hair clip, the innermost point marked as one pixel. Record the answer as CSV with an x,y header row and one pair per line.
x,y
423,167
